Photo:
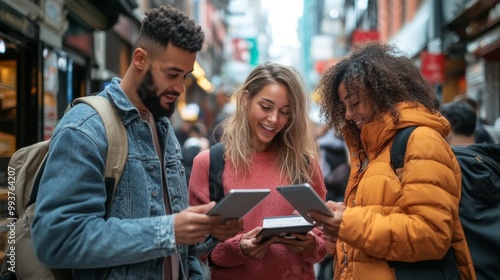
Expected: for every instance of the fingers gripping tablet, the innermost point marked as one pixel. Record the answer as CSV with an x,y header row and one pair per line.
x,y
237,203
304,199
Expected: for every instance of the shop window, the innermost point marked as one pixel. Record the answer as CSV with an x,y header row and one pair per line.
x,y
57,89
8,105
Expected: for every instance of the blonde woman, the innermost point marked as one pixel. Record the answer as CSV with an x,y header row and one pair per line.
x,y
268,142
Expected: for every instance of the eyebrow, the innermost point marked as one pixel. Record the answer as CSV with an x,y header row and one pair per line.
x,y
176,69
272,102
349,95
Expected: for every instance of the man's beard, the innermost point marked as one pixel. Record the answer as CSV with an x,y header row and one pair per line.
x,y
147,92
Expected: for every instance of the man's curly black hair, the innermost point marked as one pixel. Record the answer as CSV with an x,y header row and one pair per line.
x,y
167,24
378,73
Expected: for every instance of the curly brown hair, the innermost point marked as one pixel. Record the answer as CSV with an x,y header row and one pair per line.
x,y
379,73
168,24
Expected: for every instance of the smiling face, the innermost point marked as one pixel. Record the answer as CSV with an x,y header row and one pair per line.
x,y
164,79
361,112
268,114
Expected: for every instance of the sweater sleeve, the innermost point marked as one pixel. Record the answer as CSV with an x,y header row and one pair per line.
x,y
229,254
319,251
318,185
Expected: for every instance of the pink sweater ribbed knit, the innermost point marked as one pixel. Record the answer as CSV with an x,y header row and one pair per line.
x,y
279,262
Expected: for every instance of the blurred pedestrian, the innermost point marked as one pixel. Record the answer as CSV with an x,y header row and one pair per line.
x,y
481,135
335,164
226,109
462,118
388,225
268,142
193,145
480,180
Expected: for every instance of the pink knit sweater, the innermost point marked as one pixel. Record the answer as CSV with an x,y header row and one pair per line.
x,y
279,262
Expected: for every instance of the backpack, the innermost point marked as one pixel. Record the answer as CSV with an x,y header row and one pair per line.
x,y
479,207
28,163
215,172
216,168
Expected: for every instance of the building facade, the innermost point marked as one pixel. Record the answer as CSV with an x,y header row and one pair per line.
x,y
455,43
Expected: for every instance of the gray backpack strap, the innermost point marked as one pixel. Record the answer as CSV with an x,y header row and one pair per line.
x,y
117,142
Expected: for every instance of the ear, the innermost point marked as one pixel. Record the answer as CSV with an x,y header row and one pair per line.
x,y
140,59
246,97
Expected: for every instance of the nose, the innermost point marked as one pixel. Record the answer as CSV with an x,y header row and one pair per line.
x,y
179,86
348,113
273,116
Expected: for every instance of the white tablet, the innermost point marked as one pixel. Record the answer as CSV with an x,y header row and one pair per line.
x,y
304,199
237,202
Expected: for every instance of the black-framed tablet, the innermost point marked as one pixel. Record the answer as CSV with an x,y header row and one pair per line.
x,y
286,232
237,202
304,199
284,226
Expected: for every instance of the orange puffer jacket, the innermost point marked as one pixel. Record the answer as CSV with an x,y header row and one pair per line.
x,y
410,220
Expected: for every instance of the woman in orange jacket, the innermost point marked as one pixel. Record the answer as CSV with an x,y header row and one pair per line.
x,y
389,227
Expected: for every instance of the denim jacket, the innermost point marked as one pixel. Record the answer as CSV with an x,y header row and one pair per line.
x,y
69,230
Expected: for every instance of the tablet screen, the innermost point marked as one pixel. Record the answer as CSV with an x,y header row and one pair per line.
x,y
304,199
237,202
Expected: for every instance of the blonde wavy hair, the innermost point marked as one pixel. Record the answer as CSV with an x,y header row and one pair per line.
x,y
295,143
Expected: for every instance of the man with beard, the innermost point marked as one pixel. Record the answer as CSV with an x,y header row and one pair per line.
x,y
151,233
